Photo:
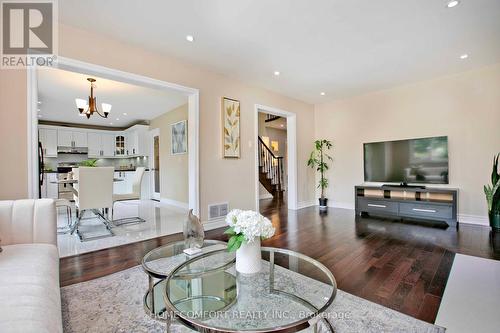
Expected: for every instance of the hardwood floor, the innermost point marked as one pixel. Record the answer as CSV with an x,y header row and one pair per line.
x,y
399,265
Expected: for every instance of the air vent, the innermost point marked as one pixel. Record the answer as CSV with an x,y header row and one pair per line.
x,y
216,211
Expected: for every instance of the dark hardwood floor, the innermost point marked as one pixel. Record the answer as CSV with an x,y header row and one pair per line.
x,y
400,265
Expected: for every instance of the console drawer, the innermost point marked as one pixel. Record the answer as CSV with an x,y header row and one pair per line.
x,y
382,206
426,210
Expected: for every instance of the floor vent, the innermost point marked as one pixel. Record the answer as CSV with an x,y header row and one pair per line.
x,y
216,211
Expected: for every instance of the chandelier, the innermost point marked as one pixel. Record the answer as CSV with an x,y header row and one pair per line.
x,y
88,108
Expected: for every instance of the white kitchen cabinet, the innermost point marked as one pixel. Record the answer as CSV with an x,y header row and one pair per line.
x,y
71,138
48,138
120,144
101,145
132,143
108,145
94,144
137,140
65,138
80,139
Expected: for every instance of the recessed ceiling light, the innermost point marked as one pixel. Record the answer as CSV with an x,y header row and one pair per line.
x,y
39,102
322,93
117,118
276,73
38,110
39,116
125,113
452,3
111,123
464,56
190,38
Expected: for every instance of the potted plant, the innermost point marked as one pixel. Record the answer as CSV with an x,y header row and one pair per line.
x,y
88,163
318,160
493,196
246,229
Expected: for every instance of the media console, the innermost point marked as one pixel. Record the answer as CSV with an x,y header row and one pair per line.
x,y
436,204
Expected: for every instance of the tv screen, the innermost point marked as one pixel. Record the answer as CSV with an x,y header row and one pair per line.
x,y
412,161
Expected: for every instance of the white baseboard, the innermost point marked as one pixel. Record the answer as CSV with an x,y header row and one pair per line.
x,y
266,196
343,205
304,204
175,203
215,223
474,219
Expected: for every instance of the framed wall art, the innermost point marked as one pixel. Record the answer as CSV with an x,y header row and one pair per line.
x,y
231,128
179,137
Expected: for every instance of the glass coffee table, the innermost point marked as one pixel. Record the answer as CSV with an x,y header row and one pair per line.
x,y
162,261
289,294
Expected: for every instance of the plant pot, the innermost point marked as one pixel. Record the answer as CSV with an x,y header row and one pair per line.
x,y
248,257
494,220
323,203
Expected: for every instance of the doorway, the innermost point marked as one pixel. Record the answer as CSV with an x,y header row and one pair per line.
x,y
76,66
272,162
275,160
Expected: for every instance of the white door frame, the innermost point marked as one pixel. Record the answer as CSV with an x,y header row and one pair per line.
x,y
117,75
291,140
152,133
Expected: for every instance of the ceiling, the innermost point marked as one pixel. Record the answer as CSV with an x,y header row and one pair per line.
x,y
57,90
339,47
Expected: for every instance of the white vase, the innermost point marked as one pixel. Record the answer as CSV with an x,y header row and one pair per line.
x,y
248,257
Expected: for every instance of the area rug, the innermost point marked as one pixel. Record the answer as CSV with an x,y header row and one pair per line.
x,y
114,303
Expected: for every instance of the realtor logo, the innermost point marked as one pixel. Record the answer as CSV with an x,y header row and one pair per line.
x,y
28,33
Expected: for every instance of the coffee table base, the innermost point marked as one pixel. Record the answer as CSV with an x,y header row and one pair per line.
x,y
155,306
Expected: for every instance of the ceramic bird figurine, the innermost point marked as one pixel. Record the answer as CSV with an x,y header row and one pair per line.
x,y
193,232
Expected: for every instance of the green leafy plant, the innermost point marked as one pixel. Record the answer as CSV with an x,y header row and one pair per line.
x,y
493,191
89,163
318,160
235,240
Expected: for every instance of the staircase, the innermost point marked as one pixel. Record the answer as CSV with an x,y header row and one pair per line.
x,y
270,170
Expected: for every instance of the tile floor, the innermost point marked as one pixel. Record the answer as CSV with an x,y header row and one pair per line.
x,y
161,219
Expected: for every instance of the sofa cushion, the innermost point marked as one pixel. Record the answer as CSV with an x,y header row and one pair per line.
x,y
30,299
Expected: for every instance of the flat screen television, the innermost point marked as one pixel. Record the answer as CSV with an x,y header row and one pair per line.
x,y
423,160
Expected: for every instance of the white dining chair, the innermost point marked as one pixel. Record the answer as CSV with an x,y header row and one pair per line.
x,y
134,195
95,193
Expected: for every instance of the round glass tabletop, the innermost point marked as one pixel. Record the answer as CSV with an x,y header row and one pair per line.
x,y
290,293
160,262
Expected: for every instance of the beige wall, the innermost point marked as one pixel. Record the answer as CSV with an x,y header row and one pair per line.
x,y
13,136
465,107
221,180
173,168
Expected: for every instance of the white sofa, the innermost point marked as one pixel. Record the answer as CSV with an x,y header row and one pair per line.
x,y
30,298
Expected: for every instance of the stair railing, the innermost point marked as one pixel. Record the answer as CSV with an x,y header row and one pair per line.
x,y
271,164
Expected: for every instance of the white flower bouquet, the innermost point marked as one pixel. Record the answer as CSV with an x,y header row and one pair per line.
x,y
245,226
